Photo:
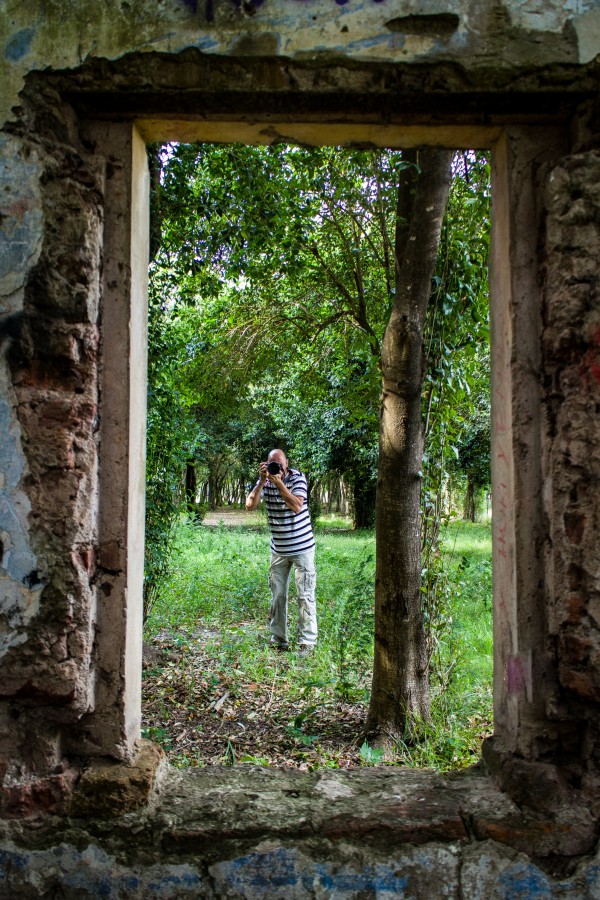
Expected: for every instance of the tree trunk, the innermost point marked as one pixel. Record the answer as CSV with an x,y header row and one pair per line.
x,y
191,487
364,503
343,505
212,490
469,513
400,687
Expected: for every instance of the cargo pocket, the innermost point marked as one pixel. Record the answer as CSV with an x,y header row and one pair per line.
x,y
306,585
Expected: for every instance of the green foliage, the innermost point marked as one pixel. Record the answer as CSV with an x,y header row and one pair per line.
x,y
170,438
353,636
220,578
472,466
284,257
457,329
270,290
456,394
159,736
371,755
217,599
276,252
437,588
461,704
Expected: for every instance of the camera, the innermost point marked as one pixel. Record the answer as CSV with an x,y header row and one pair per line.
x,y
273,468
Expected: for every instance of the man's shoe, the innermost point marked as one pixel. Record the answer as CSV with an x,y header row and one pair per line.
x,y
276,645
306,649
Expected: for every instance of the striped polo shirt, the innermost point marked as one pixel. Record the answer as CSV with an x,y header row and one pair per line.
x,y
291,533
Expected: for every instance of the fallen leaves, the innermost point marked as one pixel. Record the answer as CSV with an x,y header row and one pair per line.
x,y
205,714
210,701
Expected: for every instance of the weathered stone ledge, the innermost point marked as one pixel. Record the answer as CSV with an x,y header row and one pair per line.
x,y
238,832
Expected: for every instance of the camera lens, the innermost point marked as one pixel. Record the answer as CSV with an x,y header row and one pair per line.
x,y
273,468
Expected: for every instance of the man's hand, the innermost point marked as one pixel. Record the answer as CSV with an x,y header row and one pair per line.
x,y
291,501
253,498
277,480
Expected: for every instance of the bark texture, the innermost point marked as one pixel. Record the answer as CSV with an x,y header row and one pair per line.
x,y
470,505
400,683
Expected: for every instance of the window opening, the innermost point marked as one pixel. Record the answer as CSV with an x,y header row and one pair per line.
x,y
270,287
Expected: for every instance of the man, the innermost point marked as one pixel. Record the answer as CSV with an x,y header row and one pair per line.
x,y
292,545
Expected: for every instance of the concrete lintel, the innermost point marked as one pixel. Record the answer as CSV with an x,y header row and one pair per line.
x,y
317,133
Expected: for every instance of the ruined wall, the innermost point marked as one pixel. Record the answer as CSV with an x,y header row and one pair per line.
x,y
51,216
76,75
253,832
571,346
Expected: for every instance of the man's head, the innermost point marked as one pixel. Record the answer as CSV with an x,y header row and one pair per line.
x,y
278,456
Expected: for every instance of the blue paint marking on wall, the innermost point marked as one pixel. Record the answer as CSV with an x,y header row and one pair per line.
x,y
247,4
344,2
19,44
525,882
207,44
11,859
593,877
396,41
281,868
94,873
381,880
276,869
187,879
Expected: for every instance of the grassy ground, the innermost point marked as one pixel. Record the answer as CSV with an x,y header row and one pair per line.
x,y
214,692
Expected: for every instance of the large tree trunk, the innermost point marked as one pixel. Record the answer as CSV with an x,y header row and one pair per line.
x,y
400,678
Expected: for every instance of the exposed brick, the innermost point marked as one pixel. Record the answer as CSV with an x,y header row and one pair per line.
x,y
576,608
85,557
574,648
38,796
111,556
533,785
418,821
585,684
574,526
540,837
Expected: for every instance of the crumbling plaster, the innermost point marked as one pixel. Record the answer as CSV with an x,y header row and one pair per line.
x,y
252,832
20,579
482,37
49,294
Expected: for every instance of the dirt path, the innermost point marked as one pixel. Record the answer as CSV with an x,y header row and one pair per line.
x,y
232,518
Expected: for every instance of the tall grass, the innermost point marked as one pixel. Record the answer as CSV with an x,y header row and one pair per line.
x,y
218,594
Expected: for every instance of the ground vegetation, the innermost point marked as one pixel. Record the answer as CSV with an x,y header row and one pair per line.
x,y
216,693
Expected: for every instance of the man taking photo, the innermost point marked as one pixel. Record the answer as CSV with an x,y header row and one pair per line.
x,y
285,493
